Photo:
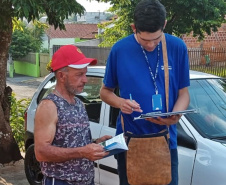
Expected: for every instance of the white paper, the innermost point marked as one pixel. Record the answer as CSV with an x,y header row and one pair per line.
x,y
117,142
160,114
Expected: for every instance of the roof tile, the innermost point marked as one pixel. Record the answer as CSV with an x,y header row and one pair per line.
x,y
82,31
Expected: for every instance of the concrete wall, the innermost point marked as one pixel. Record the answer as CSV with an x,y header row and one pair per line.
x,y
57,41
28,65
101,54
93,42
34,64
44,60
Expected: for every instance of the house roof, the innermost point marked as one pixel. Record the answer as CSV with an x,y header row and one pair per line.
x,y
82,31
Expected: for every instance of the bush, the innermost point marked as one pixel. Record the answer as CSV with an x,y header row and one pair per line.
x,y
18,108
28,39
44,50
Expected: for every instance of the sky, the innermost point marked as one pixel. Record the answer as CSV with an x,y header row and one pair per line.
x,y
94,6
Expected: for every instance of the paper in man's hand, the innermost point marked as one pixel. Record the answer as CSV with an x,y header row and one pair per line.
x,y
115,145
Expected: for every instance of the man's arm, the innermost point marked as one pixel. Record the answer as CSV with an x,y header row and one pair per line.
x,y
44,132
181,104
126,105
182,100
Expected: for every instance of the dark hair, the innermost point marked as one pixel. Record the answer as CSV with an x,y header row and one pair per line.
x,y
149,16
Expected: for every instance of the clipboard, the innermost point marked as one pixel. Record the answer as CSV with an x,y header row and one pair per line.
x,y
160,114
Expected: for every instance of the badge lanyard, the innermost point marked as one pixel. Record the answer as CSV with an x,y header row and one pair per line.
x,y
157,67
157,98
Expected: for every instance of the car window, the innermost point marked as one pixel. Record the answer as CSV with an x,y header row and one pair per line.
x,y
209,96
47,89
90,96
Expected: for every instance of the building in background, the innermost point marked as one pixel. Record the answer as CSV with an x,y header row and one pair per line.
x,y
74,33
93,17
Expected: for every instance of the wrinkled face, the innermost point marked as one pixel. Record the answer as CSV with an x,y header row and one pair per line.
x,y
75,80
148,40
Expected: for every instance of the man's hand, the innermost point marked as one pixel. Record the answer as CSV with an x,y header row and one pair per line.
x,y
127,106
103,138
93,152
165,121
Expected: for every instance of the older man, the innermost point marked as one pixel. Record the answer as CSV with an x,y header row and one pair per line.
x,y
62,132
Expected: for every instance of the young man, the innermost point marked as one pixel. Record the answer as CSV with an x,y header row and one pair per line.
x,y
62,133
135,65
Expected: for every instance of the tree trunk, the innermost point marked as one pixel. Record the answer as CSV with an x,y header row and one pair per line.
x,y
9,150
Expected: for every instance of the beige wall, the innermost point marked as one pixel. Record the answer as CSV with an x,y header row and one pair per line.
x,y
44,60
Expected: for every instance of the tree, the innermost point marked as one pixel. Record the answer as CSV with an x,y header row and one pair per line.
x,y
56,11
27,39
183,17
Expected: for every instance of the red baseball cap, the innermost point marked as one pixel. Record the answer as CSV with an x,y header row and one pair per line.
x,y
70,55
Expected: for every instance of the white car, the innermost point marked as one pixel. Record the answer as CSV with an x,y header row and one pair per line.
x,y
201,136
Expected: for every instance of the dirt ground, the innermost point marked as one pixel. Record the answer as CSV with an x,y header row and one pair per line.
x,y
24,87
13,174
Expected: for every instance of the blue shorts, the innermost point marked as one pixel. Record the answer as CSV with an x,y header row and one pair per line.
x,y
54,181
122,167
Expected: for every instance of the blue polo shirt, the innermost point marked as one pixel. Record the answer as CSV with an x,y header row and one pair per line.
x,y
128,69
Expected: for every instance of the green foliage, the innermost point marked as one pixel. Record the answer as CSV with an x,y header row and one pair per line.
x,y
109,16
56,10
120,27
199,16
18,108
44,50
183,17
27,39
17,24
22,44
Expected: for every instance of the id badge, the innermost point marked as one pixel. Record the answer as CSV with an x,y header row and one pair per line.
x,y
156,102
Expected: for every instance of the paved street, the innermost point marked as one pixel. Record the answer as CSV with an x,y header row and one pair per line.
x,y
23,86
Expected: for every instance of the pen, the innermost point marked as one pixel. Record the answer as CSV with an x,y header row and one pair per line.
x,y
130,97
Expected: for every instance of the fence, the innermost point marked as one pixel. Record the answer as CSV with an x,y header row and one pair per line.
x,y
209,60
101,54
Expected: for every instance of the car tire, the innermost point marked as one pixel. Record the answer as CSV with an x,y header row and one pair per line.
x,y
32,167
